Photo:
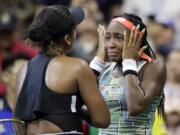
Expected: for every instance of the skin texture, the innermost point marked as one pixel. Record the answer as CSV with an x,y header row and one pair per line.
x,y
121,43
67,75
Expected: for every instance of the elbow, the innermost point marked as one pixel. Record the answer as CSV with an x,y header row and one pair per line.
x,y
135,110
106,123
101,124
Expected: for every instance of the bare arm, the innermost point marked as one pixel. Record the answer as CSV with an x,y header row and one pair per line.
x,y
97,108
140,94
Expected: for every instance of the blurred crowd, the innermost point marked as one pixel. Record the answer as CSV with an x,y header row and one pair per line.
x,y
16,15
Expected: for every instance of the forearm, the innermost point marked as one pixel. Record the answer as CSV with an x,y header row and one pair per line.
x,y
135,95
133,90
99,121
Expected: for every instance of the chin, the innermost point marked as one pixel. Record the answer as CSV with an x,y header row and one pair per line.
x,y
114,59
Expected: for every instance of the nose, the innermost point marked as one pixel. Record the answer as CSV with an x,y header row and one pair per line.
x,y
112,43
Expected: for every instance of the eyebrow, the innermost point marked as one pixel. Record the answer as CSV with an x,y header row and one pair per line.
x,y
119,34
116,34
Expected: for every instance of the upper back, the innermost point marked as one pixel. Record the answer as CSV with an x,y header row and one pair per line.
x,y
36,96
62,72
60,75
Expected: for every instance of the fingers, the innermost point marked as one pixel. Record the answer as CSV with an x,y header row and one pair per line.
x,y
131,38
136,34
132,43
142,50
125,37
101,50
101,32
101,29
125,40
140,38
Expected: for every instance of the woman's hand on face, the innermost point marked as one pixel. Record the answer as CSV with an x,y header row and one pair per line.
x,y
132,43
101,47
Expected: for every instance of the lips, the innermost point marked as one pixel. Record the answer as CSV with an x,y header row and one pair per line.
x,y
112,53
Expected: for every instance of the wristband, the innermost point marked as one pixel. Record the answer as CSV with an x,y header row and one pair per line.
x,y
97,64
129,66
130,72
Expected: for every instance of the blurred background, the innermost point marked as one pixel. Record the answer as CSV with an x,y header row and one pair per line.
x,y
162,18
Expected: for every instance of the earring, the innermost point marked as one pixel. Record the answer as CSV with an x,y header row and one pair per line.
x,y
69,43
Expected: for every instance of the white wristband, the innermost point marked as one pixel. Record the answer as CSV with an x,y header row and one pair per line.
x,y
97,64
129,64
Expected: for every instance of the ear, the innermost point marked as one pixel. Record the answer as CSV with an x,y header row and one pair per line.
x,y
67,39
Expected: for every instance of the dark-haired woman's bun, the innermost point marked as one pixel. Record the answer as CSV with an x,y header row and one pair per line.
x,y
37,32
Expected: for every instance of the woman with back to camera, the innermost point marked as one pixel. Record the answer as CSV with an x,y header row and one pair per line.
x,y
132,84
52,87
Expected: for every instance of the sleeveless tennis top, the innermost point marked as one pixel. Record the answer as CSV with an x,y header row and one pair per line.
x,y
122,123
37,101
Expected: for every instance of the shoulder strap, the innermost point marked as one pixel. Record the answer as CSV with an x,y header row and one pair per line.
x,y
107,70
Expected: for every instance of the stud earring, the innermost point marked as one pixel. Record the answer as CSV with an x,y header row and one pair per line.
x,y
69,43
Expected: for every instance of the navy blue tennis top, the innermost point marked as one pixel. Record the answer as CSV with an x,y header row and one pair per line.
x,y
37,101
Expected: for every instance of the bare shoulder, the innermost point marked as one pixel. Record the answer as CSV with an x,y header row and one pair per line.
x,y
69,62
82,68
155,70
156,66
79,61
79,64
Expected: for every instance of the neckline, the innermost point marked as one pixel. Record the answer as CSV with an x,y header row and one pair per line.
x,y
113,69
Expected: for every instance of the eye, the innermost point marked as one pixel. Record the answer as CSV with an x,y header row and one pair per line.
x,y
107,36
119,37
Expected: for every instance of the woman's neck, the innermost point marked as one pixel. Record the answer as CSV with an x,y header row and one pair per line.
x,y
119,64
117,71
55,51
